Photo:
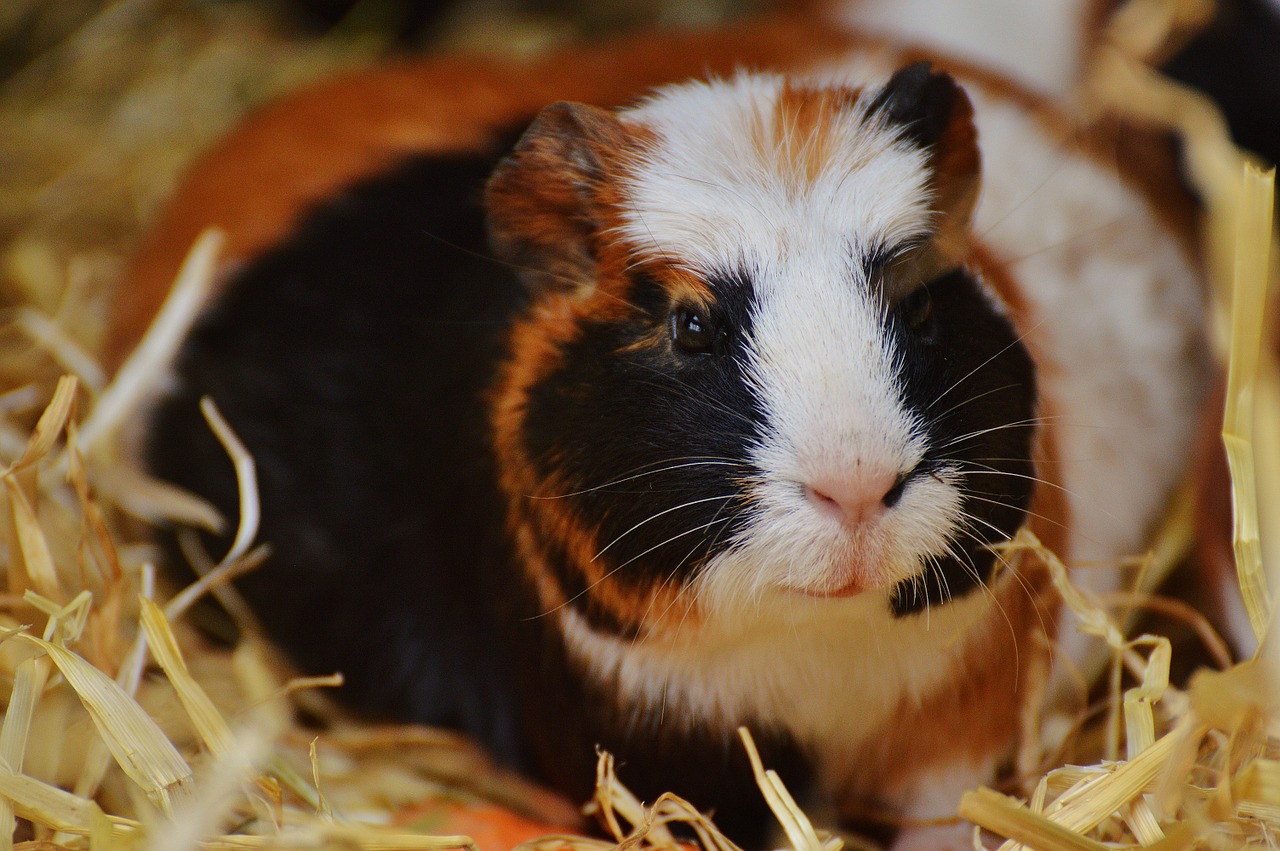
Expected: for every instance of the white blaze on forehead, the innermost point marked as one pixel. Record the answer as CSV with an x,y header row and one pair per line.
x,y
720,189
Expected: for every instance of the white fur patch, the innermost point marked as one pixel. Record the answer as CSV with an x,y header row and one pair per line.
x,y
829,670
711,198
1117,315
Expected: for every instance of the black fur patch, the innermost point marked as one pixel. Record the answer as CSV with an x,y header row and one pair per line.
x,y
352,360
970,380
919,100
654,440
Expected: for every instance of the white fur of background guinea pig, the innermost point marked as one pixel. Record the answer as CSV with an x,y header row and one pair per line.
x,y
715,426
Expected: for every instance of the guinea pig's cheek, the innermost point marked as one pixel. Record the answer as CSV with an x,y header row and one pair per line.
x,y
929,516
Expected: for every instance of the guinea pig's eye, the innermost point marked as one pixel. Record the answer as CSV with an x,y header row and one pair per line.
x,y
917,312
692,331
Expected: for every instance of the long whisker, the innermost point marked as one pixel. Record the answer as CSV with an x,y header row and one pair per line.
x,y
519,267
971,372
1029,513
606,576
670,576
690,461
1062,243
1027,423
991,471
943,582
1058,166
635,211
662,513
497,261
673,538
962,558
973,399
1004,562
1004,614
969,517
966,563
684,589
667,580
693,396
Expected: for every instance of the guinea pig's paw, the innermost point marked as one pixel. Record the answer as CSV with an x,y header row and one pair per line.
x,y
950,837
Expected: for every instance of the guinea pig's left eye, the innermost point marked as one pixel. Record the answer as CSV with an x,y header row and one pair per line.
x,y
917,312
692,331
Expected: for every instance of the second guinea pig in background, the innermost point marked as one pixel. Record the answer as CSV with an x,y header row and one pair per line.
x,y
712,422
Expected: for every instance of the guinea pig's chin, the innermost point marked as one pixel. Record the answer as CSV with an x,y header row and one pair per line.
x,y
838,570
851,576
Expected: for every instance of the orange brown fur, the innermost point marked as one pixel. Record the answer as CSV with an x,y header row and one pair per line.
x,y
299,150
550,204
536,514
957,165
801,137
303,148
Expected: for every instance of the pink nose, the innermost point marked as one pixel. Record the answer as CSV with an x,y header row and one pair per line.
x,y
856,500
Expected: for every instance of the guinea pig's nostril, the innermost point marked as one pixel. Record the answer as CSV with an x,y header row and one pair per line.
x,y
828,502
894,494
853,500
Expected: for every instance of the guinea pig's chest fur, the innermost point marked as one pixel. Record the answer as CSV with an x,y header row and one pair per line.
x,y
830,673
730,435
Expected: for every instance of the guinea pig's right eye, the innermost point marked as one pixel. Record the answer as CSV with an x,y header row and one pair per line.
x,y
692,331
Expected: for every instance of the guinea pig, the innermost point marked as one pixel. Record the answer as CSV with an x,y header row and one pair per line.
x,y
622,425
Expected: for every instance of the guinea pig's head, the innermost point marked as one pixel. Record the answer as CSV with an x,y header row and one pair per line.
x,y
756,362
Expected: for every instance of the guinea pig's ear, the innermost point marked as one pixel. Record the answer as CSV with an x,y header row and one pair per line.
x,y
935,114
543,200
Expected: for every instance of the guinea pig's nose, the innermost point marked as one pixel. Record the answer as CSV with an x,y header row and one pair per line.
x,y
858,499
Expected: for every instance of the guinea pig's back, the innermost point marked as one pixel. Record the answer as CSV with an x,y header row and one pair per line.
x,y
1114,304
352,359
303,148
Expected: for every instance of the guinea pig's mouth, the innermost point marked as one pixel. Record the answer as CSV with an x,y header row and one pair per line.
x,y
904,581
854,586
853,577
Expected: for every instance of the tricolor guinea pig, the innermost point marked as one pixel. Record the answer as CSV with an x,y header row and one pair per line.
x,y
622,425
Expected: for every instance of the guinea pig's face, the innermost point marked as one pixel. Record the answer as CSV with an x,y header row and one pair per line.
x,y
756,363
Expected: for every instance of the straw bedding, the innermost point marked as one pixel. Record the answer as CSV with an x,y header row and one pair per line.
x,y
124,728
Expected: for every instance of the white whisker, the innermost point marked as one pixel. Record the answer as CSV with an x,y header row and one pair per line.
x,y
662,513
692,461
